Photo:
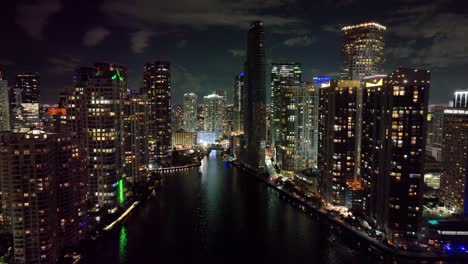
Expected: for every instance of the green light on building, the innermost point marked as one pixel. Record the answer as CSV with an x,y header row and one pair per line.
x,y
117,74
433,222
121,191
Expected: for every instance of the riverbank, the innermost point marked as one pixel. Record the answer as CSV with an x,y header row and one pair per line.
x,y
344,226
177,168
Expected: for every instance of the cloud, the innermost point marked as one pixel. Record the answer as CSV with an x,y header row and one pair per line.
x,y
190,82
331,28
61,65
237,52
197,14
95,36
182,43
431,38
140,39
33,17
303,41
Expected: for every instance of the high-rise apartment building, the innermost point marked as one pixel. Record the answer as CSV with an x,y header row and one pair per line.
x,y
25,102
238,103
436,121
453,184
337,137
190,112
255,99
95,119
297,144
177,117
362,50
157,85
4,106
43,195
281,73
394,115
136,147
214,113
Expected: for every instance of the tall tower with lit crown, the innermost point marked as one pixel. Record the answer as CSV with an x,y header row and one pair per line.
x,y
362,51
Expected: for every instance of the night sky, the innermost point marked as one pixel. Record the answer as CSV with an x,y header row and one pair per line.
x,y
205,39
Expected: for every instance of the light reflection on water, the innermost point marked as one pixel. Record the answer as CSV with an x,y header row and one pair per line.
x,y
216,214
123,245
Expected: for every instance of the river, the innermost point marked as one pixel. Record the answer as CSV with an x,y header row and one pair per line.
x,y
215,213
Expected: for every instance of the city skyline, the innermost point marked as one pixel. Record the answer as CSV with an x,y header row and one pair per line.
x,y
293,35
352,155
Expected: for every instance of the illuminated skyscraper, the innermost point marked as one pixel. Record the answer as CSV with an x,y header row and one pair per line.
x,y
190,112
25,104
157,85
135,136
42,193
255,99
214,113
238,103
453,181
394,111
177,117
338,118
297,144
95,119
281,73
4,106
363,50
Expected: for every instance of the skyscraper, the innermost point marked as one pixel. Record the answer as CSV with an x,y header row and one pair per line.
x,y
255,98
95,119
453,181
42,193
157,84
190,112
177,117
25,103
297,144
281,73
135,136
363,50
214,113
435,131
4,105
238,100
338,146
394,112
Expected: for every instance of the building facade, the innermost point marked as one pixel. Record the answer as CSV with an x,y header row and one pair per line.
x,y
337,137
297,144
136,147
362,50
190,112
177,117
281,73
238,112
4,106
43,193
157,85
95,119
255,99
184,140
394,116
214,113
25,102
453,185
